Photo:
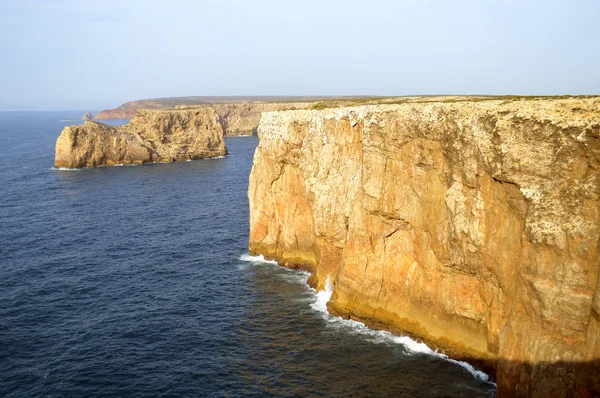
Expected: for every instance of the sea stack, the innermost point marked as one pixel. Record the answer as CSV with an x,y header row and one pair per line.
x,y
152,136
87,116
472,224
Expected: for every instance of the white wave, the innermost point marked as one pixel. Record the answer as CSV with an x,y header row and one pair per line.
x,y
256,259
382,337
319,304
422,348
295,278
67,120
323,296
478,374
64,169
410,344
218,157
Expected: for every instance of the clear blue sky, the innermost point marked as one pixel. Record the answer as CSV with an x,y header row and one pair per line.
x,y
94,54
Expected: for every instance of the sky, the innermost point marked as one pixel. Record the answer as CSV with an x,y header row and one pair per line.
x,y
97,54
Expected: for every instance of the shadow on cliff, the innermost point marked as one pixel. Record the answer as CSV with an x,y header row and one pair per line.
x,y
560,379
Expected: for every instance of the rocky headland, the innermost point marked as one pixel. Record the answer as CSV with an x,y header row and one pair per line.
x,y
151,136
239,116
470,223
116,114
242,119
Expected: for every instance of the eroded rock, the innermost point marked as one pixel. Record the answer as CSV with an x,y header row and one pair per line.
x,y
473,224
242,119
152,136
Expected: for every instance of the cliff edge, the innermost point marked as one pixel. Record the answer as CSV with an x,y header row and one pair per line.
x,y
152,136
242,119
239,116
472,224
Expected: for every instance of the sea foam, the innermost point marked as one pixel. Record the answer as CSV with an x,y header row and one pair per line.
x,y
381,336
63,169
319,304
256,259
323,296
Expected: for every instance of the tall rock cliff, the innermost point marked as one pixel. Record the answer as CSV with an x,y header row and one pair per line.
x,y
129,109
242,119
472,224
238,119
152,136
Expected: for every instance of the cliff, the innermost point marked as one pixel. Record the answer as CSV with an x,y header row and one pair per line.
x,y
236,119
239,115
129,109
116,114
472,224
152,136
87,116
242,119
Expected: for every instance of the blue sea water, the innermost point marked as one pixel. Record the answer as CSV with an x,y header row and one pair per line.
x,y
135,282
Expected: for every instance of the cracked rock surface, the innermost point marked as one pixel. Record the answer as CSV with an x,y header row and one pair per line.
x,y
472,224
151,136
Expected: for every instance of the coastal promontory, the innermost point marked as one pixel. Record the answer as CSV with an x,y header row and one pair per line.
x,y
470,223
151,136
239,116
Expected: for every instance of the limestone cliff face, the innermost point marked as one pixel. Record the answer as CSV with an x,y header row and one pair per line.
x,y
116,114
239,119
152,136
472,224
242,119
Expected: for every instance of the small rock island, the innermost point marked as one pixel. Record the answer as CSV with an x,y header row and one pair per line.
x,y
151,136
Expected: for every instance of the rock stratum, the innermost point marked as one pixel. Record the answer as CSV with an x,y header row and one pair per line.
x,y
152,136
116,114
239,116
471,224
242,119
236,119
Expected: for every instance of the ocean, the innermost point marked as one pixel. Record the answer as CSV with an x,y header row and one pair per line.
x,y
135,281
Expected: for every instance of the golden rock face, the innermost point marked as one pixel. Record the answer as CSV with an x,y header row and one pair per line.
x,y
237,119
241,119
472,224
152,136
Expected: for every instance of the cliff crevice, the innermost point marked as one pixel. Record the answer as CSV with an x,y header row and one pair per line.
x,y
472,224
